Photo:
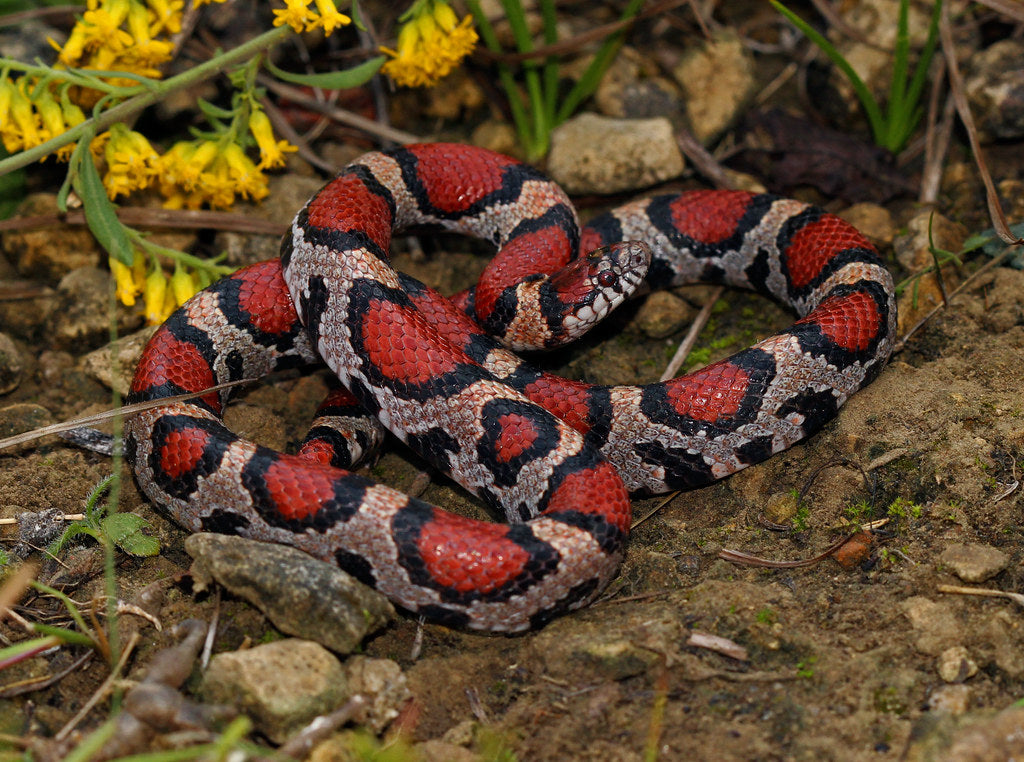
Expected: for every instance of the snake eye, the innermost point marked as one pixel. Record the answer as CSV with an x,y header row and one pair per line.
x,y
607,279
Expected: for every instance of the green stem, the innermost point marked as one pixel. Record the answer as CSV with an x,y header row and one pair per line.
x,y
591,78
508,82
550,19
524,43
126,109
867,100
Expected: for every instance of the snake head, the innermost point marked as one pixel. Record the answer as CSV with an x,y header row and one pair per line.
x,y
589,288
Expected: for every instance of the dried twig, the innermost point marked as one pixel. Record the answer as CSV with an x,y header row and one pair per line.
x,y
746,559
191,219
107,415
691,337
956,85
718,644
341,115
987,592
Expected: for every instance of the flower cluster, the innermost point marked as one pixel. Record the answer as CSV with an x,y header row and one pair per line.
x,y
160,295
431,43
211,172
30,116
122,35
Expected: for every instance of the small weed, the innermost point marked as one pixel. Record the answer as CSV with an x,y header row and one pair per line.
x,y
107,526
887,700
858,512
765,616
805,668
902,510
802,517
892,128
542,107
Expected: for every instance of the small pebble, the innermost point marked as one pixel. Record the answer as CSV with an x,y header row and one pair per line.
x,y
281,686
955,665
974,562
950,699
12,365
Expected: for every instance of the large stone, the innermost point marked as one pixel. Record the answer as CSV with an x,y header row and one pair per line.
x,y
299,594
599,154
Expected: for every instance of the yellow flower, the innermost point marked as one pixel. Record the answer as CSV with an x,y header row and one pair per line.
x,y
246,176
73,115
183,285
295,14
22,129
182,164
52,116
131,161
166,16
103,25
125,286
271,151
330,18
138,22
155,296
298,15
430,45
9,136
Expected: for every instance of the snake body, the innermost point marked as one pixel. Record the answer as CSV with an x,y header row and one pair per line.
x,y
558,457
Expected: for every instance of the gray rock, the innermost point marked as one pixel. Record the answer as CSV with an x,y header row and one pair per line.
x,y
281,686
383,686
597,154
995,89
913,247
956,665
717,79
973,562
993,739
12,365
934,624
22,417
662,314
82,321
120,356
302,596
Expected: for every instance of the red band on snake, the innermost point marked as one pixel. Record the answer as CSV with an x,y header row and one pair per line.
x,y
558,457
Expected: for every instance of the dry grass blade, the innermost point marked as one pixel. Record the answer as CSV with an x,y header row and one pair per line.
x,y
718,644
691,337
15,586
746,559
101,692
107,415
302,98
956,85
987,592
1012,8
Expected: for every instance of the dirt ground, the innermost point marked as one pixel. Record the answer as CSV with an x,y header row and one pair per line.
x,y
853,657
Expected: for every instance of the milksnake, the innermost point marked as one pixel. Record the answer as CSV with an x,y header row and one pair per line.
x,y
558,457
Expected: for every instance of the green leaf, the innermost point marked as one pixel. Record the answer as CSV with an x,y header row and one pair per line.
x,y
212,111
125,531
100,212
332,80
26,649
